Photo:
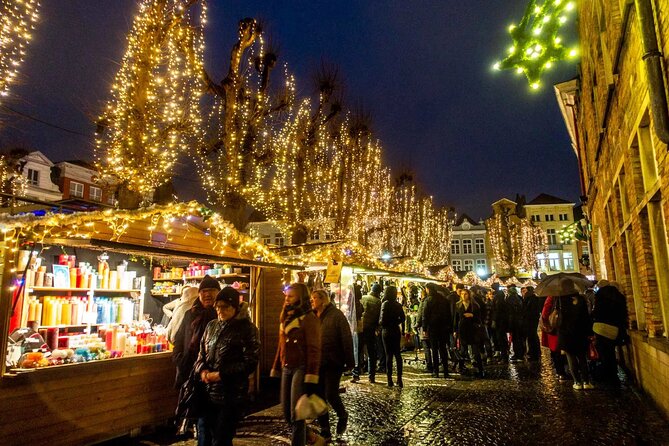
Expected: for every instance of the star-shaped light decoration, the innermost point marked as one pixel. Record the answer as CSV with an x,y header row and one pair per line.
x,y
537,45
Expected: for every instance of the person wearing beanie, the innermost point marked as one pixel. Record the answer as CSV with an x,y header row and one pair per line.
x,y
187,338
228,355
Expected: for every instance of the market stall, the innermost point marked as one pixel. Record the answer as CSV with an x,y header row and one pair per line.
x,y
90,285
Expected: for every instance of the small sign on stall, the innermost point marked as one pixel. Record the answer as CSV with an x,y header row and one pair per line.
x,y
333,272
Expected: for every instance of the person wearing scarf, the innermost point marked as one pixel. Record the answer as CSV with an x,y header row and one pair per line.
x,y
298,355
188,337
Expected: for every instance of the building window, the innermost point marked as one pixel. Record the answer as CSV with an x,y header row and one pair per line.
x,y
550,217
76,189
541,259
469,265
552,236
315,234
467,247
554,261
266,239
481,267
455,247
328,236
564,217
278,239
457,265
536,218
568,261
96,194
480,246
33,177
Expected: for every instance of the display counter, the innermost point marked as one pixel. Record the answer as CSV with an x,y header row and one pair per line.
x,y
88,402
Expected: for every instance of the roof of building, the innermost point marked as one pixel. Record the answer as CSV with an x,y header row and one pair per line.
x,y
547,199
81,163
463,218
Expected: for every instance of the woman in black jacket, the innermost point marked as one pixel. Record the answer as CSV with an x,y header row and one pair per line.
x,y
469,327
392,316
574,329
228,355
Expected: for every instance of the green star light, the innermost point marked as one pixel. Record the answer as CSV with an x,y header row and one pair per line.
x,y
536,43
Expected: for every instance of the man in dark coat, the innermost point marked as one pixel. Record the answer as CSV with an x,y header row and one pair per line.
x,y
438,326
188,337
531,312
371,304
514,305
500,322
610,308
336,357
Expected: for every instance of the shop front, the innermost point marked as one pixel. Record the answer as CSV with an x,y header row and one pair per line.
x,y
81,312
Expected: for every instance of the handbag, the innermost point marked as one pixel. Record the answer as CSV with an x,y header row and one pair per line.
x,y
310,407
552,323
193,399
606,330
593,355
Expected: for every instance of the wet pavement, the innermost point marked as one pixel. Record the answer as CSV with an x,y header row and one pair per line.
x,y
515,404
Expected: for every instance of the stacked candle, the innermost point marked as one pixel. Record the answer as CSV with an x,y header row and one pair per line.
x,y
58,310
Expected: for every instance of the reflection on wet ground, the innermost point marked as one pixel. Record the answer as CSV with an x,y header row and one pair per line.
x,y
516,404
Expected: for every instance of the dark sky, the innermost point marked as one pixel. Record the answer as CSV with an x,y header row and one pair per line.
x,y
422,68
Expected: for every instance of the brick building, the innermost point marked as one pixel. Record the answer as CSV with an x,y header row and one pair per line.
x,y
616,115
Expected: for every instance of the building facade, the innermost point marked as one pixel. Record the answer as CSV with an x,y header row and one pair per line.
x,y
77,181
616,115
552,214
469,248
40,186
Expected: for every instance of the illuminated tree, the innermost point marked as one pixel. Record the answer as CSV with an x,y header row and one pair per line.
x,y
154,116
12,180
514,239
537,44
17,21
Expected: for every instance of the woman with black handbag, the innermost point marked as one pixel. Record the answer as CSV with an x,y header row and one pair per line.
x,y
470,329
229,353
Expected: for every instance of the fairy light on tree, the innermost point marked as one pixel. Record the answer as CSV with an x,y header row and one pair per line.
x,y
537,44
17,21
153,115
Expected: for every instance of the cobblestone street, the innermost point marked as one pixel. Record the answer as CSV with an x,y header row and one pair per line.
x,y
516,404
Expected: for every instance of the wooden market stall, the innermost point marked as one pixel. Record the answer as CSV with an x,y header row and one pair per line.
x,y
87,402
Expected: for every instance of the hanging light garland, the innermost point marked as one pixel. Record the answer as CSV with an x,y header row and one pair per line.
x,y
537,44
17,21
153,115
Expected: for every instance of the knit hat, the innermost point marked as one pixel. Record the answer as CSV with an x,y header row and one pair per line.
x,y
376,289
230,296
209,283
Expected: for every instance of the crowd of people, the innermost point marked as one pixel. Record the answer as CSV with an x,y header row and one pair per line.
x,y
216,346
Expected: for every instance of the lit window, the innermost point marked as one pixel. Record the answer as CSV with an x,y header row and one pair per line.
x,y
568,261
481,265
33,177
76,189
96,194
455,246
554,262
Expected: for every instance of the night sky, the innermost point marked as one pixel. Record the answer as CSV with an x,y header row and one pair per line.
x,y
422,68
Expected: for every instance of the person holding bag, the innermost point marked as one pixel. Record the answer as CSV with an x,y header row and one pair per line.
x,y
469,328
298,356
229,353
610,322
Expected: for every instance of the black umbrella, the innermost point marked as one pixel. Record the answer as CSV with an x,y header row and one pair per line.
x,y
563,284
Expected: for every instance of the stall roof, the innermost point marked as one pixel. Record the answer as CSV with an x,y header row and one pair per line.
x,y
174,230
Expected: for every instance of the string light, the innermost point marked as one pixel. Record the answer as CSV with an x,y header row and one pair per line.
x,y
17,21
536,43
515,242
153,115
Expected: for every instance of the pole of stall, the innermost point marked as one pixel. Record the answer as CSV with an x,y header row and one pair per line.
x,y
7,263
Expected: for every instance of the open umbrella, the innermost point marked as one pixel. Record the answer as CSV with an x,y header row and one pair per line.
x,y
562,284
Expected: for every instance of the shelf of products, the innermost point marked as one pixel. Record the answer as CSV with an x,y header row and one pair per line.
x,y
170,282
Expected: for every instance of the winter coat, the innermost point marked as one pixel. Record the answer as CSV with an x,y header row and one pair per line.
x,y
187,340
392,316
514,305
611,308
232,349
299,346
336,339
467,327
501,311
371,312
437,316
530,312
547,339
575,324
